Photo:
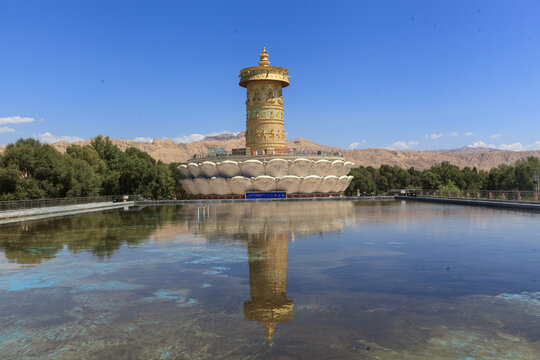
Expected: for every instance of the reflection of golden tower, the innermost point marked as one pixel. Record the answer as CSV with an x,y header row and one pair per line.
x,y
268,281
264,105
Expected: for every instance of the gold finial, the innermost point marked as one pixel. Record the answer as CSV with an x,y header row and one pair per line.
x,y
264,58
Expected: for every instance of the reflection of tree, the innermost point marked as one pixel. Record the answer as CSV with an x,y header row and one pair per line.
x,y
101,232
268,281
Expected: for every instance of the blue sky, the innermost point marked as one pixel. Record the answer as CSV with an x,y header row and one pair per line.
x,y
394,74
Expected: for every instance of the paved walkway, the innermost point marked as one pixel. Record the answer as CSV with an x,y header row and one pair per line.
x,y
517,205
46,212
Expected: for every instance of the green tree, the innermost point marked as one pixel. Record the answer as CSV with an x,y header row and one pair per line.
x,y
107,151
430,180
84,181
448,174
90,155
9,182
474,179
42,171
162,185
362,182
415,177
395,178
502,178
178,191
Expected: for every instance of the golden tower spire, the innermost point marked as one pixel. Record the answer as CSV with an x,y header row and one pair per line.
x,y
264,58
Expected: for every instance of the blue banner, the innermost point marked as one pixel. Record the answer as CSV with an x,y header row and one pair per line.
x,y
266,195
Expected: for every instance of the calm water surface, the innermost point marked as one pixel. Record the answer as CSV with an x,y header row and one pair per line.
x,y
279,280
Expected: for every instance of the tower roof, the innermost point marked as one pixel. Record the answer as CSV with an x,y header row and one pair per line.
x,y
263,71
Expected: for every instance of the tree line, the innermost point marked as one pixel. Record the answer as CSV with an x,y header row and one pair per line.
x,y
31,170
445,176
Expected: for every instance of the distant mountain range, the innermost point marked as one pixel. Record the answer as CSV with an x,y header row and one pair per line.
x,y
168,151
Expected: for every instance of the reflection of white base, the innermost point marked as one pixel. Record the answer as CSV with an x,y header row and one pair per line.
x,y
298,176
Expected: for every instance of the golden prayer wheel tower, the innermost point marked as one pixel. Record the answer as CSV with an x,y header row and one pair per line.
x,y
265,130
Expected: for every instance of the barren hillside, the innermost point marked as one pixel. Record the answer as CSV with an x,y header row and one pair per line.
x,y
168,151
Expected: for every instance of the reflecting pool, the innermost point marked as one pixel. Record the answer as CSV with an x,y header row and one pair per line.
x,y
273,280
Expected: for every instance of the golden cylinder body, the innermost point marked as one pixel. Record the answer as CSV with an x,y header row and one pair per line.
x,y
265,129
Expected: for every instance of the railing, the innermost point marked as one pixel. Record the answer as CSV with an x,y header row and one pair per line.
x,y
524,196
258,154
40,203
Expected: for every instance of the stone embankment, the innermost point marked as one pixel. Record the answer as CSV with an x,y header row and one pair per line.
x,y
46,212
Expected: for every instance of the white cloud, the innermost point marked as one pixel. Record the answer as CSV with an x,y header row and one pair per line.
x,y
402,145
468,133
437,136
356,145
512,147
434,136
196,137
520,147
189,138
481,144
509,147
49,138
16,120
143,139
6,129
494,136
